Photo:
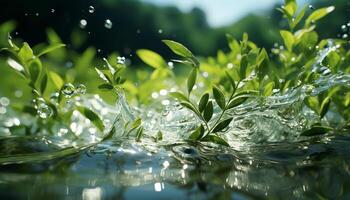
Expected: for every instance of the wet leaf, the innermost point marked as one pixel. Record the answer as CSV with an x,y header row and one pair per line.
x,y
230,78
43,84
219,97
151,58
178,48
208,111
190,106
179,96
238,100
243,67
316,130
191,80
215,139
50,48
222,125
139,134
318,14
92,116
268,89
26,53
203,102
324,107
35,68
197,134
288,39
56,79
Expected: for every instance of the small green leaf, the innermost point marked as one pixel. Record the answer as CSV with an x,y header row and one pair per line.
x,y
222,125
215,139
268,89
191,80
50,48
318,14
35,68
197,134
159,136
288,39
219,97
26,53
324,107
178,49
208,111
238,100
312,103
243,67
316,130
230,78
56,79
139,134
92,116
105,87
203,102
179,96
16,66
190,106
43,83
135,125
151,58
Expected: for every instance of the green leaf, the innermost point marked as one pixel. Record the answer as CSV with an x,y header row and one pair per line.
x,y
288,39
50,48
230,78
179,96
102,75
139,134
219,97
238,100
316,130
312,103
203,102
197,134
299,17
190,106
324,107
191,80
151,58
243,67
318,14
43,84
56,79
135,125
35,68
26,53
92,116
268,89
16,66
290,7
208,111
222,125
215,139
159,136
178,49
105,87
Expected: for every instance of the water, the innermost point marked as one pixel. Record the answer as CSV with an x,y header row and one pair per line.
x,y
268,159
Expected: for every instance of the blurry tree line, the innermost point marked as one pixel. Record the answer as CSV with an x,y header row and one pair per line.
x,y
141,25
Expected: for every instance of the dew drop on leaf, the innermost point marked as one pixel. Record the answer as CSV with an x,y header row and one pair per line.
x,y
68,89
44,111
81,89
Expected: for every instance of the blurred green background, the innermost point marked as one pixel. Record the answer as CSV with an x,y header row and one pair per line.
x,y
138,25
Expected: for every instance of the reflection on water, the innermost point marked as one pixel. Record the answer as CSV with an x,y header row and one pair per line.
x,y
316,169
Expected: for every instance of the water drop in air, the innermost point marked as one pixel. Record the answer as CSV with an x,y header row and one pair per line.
x,y
83,23
160,31
81,89
52,10
44,111
91,9
108,24
311,7
121,60
68,89
344,28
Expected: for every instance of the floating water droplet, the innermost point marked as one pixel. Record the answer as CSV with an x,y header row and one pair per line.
x,y
36,14
160,31
348,24
44,111
171,65
91,9
108,24
83,23
81,89
229,65
4,101
311,7
345,36
53,10
18,93
121,60
344,28
138,31
68,89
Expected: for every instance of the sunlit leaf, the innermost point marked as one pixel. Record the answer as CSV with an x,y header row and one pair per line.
x,y
92,116
203,102
288,39
318,14
50,48
219,97
191,80
178,48
179,96
197,134
105,87
56,79
151,58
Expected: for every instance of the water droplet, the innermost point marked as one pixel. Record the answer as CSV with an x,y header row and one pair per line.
x,y
2,110
138,31
44,111
18,93
345,36
4,101
121,60
229,65
83,23
68,89
91,9
81,89
344,28
160,31
108,24
348,24
54,97
36,14
311,7
171,65
53,10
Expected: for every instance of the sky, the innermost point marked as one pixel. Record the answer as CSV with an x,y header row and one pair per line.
x,y
220,12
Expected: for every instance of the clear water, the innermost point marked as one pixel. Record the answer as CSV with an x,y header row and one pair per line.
x,y
268,159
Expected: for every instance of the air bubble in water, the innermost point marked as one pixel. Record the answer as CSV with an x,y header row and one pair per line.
x,y
68,89
344,28
81,89
108,24
91,9
121,60
44,111
83,23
